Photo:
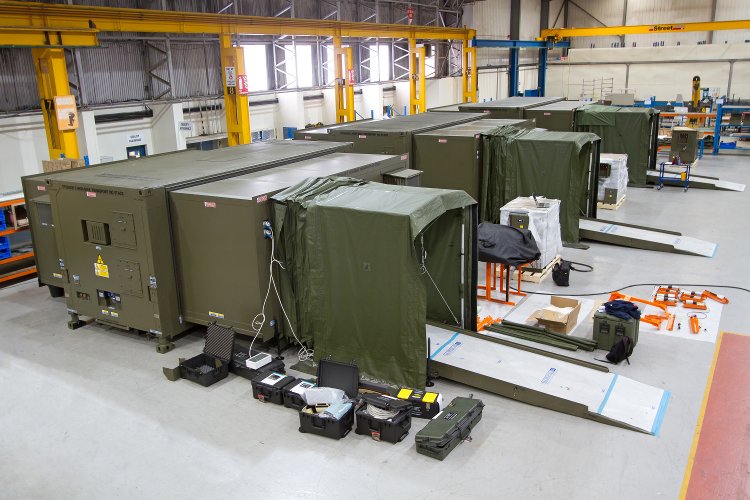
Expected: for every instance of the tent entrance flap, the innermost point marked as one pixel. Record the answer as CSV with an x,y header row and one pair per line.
x,y
629,235
547,382
365,266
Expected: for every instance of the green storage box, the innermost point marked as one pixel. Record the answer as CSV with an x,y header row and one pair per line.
x,y
449,427
608,330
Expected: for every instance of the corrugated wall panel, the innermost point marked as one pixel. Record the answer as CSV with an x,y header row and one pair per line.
x,y
490,18
608,12
18,87
727,10
197,70
114,73
666,12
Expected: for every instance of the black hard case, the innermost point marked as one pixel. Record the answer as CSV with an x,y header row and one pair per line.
x,y
238,366
392,430
270,392
338,375
292,399
212,364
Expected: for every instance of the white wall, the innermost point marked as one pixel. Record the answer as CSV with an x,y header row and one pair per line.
x,y
23,143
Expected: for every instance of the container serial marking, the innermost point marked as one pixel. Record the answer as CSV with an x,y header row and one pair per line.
x,y
209,204
261,199
100,268
41,188
442,141
90,194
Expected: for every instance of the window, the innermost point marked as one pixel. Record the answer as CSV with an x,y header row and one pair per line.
x,y
256,67
380,63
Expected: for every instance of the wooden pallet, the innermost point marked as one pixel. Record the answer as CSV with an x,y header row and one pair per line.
x,y
536,276
611,206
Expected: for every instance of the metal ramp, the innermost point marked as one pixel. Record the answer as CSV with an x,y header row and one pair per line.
x,y
646,238
548,380
700,181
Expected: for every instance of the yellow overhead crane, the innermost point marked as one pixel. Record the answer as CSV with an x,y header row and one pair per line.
x,y
556,34
49,27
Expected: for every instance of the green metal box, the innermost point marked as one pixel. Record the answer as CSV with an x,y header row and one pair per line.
x,y
223,256
684,144
448,428
395,136
113,230
321,133
451,157
558,116
608,330
510,107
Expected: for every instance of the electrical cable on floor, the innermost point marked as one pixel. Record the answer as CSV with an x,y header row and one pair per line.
x,y
592,294
380,413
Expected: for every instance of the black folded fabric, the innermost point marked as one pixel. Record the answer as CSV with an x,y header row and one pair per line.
x,y
622,309
506,245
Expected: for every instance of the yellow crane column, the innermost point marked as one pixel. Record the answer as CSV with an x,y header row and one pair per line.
x,y
235,105
417,94
55,98
469,72
343,81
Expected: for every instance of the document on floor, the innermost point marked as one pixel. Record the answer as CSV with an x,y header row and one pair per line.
x,y
614,397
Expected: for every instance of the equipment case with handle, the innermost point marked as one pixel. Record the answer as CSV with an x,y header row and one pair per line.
x,y
391,430
239,367
268,387
337,375
449,427
293,393
212,364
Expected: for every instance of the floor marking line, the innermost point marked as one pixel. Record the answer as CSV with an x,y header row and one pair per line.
x,y
699,425
606,396
432,356
660,413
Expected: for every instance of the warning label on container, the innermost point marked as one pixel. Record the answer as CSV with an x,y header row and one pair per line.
x,y
100,268
214,314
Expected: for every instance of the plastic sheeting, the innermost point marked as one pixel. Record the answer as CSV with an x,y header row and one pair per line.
x,y
521,162
618,176
359,263
544,224
623,130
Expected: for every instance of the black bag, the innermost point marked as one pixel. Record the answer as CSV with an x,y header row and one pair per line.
x,y
506,245
621,350
561,273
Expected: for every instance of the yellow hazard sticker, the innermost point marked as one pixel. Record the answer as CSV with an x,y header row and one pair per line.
x,y
100,268
114,314
57,275
216,315
429,397
105,312
404,393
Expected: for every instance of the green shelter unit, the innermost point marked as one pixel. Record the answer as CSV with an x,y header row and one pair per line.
x,y
113,230
558,116
410,257
450,108
624,130
321,133
395,136
510,107
451,157
223,252
557,165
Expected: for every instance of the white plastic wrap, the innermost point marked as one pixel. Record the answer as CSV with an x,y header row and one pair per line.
x,y
618,178
544,224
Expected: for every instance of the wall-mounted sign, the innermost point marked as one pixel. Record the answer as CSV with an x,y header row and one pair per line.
x,y
350,75
242,86
186,126
67,114
230,76
135,138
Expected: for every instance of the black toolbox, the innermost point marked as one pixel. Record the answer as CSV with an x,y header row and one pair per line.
x,y
425,404
239,367
293,393
212,364
268,386
449,427
314,419
384,418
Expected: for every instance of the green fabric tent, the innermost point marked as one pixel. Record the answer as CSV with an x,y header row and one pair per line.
x,y
360,259
522,162
624,130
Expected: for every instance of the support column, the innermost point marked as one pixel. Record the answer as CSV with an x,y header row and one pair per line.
x,y
541,79
417,84
469,70
513,72
52,78
344,81
235,105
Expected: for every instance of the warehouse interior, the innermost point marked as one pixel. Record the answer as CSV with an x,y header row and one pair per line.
x,y
497,240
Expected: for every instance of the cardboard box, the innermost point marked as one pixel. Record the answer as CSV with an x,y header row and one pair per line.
x,y
61,164
559,323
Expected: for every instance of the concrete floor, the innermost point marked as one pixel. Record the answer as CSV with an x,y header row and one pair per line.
x,y
88,414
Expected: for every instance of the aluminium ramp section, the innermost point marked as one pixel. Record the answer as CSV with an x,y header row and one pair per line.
x,y
697,181
646,238
544,381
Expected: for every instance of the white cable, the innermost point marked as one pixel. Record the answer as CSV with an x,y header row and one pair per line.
x,y
259,320
380,413
423,268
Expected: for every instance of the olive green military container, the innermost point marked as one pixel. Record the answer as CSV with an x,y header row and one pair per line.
x,y
42,226
510,107
395,136
113,230
321,133
450,108
451,157
448,428
609,330
684,144
558,116
222,248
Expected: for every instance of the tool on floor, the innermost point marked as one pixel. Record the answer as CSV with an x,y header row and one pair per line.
x,y
695,325
670,323
694,304
653,319
629,298
708,294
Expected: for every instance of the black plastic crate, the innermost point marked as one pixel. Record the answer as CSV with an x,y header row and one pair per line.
x,y
338,375
372,419
293,393
238,366
213,364
268,387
